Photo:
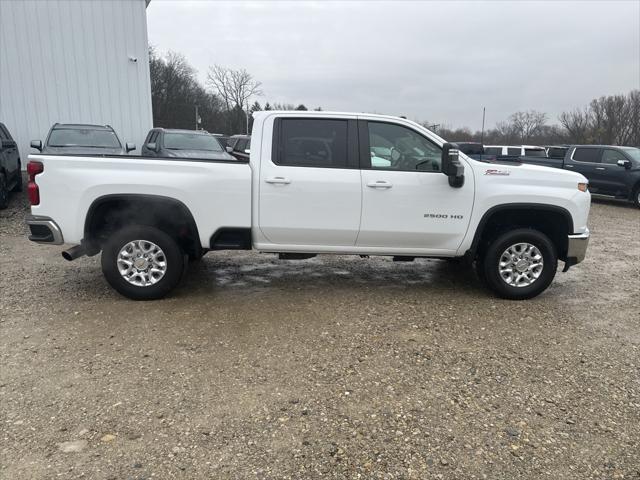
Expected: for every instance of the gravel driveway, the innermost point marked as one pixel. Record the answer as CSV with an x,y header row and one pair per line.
x,y
333,367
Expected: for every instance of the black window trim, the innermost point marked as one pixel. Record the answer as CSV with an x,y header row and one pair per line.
x,y
352,143
365,149
598,155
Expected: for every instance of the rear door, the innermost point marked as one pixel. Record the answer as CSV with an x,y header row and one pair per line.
x,y
310,192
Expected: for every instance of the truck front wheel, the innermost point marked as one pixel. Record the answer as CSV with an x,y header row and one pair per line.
x,y
519,264
142,262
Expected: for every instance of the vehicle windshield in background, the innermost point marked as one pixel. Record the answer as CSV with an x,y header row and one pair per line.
x,y
633,152
191,141
535,152
83,137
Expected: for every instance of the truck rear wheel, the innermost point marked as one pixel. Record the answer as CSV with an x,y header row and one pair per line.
x,y
142,262
519,264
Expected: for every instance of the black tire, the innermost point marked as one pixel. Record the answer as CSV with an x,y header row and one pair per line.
x,y
4,192
18,186
174,258
489,264
636,196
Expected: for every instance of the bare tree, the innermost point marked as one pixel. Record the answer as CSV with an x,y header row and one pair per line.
x,y
235,88
527,124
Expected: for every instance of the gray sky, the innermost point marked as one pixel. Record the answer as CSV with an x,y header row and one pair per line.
x,y
432,60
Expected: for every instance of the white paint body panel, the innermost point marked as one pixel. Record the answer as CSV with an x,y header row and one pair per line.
x,y
216,194
316,210
69,61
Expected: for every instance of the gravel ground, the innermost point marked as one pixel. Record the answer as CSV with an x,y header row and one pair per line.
x,y
333,367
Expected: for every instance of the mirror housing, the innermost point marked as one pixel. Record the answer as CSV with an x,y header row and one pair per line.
x,y
451,165
130,146
37,144
247,151
624,163
228,149
153,146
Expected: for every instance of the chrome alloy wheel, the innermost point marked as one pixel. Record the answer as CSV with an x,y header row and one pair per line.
x,y
142,263
520,265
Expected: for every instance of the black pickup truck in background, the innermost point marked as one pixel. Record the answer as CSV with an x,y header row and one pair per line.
x,y
10,171
611,170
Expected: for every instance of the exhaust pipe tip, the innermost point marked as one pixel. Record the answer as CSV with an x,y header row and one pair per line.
x,y
73,253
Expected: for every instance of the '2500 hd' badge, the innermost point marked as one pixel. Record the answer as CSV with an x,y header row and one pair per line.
x,y
494,171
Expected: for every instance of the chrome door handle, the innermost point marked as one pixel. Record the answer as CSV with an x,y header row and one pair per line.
x,y
569,166
380,184
278,180
600,168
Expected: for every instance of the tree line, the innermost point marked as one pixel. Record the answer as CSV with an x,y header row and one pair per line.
x,y
608,120
179,100
229,97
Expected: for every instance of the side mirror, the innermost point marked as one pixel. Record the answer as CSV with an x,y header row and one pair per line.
x,y
451,165
247,151
624,163
130,146
153,146
229,149
37,144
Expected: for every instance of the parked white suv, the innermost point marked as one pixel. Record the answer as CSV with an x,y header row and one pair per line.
x,y
316,182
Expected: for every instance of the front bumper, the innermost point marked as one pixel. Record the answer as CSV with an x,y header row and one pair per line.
x,y
44,230
576,249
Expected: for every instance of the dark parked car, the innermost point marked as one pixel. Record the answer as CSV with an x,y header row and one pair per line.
x,y
475,150
10,171
611,170
557,151
239,146
163,142
71,138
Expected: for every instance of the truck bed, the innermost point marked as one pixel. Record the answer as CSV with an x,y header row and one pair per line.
x,y
71,184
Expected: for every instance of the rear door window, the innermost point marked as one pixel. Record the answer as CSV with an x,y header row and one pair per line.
x,y
514,151
589,155
307,142
493,150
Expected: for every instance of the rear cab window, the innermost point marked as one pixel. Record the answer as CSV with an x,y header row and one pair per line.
x,y
535,152
514,151
307,142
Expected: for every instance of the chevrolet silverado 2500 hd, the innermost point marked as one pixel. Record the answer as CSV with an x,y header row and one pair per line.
x,y
315,182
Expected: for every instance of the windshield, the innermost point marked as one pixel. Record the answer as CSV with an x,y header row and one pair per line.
x,y
191,141
83,137
633,152
535,152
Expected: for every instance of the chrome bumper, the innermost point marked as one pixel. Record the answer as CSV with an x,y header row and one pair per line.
x,y
576,249
44,230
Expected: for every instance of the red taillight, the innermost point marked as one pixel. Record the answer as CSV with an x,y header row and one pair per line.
x,y
33,169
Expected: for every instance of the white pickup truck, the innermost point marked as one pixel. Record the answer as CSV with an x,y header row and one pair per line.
x,y
316,182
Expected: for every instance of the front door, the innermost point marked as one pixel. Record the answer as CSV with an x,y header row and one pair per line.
x,y
407,203
610,176
585,160
310,191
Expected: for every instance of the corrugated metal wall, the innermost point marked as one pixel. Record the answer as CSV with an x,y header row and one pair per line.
x,y
70,61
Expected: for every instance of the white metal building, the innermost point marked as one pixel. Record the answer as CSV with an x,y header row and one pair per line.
x,y
74,61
